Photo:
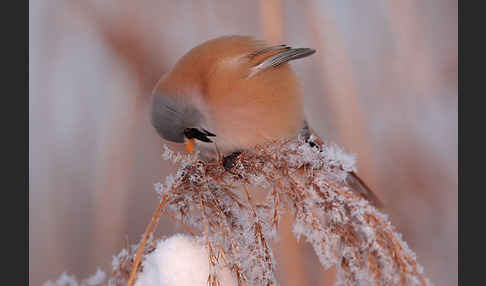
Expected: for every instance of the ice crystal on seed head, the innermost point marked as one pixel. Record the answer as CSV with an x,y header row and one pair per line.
x,y
335,156
237,214
63,280
66,280
175,158
159,188
96,279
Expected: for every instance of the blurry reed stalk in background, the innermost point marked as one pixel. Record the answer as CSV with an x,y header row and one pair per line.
x,y
412,51
337,79
139,53
303,177
291,253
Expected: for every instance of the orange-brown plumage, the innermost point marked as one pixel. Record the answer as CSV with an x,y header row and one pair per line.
x,y
241,108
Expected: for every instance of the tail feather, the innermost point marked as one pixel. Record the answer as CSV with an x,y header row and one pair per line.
x,y
358,186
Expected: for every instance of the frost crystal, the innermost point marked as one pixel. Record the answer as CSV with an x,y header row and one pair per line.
x,y
170,155
63,280
237,213
96,279
66,280
159,188
117,258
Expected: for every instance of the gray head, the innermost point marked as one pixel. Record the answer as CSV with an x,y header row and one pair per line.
x,y
176,120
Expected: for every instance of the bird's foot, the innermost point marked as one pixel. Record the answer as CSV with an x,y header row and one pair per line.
x,y
230,161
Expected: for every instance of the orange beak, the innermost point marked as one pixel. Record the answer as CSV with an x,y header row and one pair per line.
x,y
190,145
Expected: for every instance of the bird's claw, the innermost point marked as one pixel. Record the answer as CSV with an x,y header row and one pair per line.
x,y
230,161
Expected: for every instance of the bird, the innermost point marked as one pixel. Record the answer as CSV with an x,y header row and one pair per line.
x,y
230,94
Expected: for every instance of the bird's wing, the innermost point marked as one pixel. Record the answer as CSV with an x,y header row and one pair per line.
x,y
271,57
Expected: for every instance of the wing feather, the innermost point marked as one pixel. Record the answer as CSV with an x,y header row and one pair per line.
x,y
275,56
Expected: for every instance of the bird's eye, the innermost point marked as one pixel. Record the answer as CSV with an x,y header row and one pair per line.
x,y
194,133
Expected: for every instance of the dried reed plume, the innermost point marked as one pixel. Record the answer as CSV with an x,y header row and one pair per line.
x,y
237,209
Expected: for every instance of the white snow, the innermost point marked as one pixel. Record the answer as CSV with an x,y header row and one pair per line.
x,y
179,261
95,279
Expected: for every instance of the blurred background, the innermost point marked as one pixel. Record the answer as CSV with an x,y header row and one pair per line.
x,y
383,85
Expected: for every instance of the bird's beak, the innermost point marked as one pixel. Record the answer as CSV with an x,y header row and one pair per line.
x,y
190,145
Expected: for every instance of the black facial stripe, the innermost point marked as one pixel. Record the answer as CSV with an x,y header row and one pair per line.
x,y
209,133
195,133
